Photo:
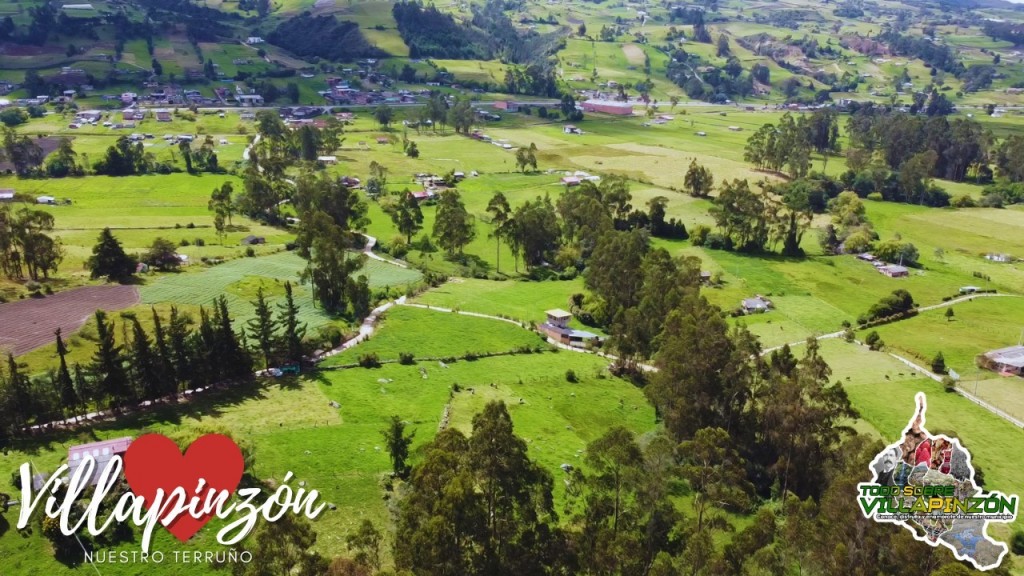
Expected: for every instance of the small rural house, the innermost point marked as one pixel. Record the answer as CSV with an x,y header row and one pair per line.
x,y
756,305
327,159
46,200
163,116
6,195
969,289
608,107
571,180
1002,258
251,240
507,106
894,270
705,277
557,328
1007,361
422,195
101,452
571,129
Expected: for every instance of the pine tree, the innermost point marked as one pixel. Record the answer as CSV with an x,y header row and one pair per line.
x,y
178,333
82,384
109,259
207,362
108,365
65,385
293,330
939,363
164,359
20,398
262,327
398,442
239,364
144,363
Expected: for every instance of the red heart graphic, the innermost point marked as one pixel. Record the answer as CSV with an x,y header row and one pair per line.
x,y
153,462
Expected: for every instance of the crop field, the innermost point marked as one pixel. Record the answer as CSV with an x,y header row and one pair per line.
x,y
235,279
29,324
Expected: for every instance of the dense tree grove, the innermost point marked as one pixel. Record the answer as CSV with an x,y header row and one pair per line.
x,y
479,505
303,35
894,154
24,155
758,436
329,215
490,33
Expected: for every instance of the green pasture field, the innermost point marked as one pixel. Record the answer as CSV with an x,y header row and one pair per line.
x,y
963,235
340,451
223,55
429,334
140,208
581,57
882,389
476,70
520,300
977,326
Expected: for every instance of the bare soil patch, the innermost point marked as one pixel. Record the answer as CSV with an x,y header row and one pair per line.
x,y
28,324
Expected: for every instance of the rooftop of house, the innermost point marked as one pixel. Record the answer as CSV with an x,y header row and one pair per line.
x,y
1010,356
756,302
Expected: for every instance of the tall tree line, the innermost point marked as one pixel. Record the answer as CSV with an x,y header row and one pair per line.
x,y
176,353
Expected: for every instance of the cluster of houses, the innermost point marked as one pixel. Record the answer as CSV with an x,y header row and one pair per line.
x,y
341,92
432,185
890,270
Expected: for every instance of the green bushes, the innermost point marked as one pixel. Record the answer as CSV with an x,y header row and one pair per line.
x,y
899,304
370,360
